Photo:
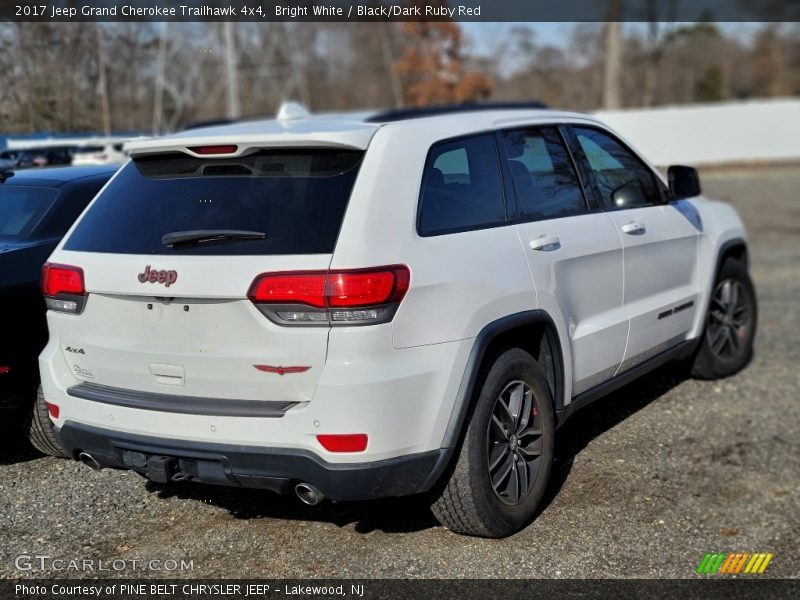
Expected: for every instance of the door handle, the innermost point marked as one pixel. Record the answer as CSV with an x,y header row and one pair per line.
x,y
546,243
634,228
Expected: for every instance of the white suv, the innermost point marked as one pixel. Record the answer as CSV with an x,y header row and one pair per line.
x,y
357,307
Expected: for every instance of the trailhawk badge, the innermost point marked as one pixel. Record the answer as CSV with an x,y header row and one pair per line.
x,y
153,276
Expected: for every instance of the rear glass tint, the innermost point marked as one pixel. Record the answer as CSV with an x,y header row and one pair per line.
x,y
22,208
297,198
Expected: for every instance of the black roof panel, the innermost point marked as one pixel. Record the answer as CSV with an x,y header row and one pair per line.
x,y
402,114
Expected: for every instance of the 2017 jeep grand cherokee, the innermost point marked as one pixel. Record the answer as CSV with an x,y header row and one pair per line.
x,y
355,307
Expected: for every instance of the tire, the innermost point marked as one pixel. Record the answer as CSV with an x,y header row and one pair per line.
x,y
476,499
40,431
730,328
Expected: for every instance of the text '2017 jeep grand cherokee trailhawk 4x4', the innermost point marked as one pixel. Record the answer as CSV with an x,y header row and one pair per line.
x,y
356,307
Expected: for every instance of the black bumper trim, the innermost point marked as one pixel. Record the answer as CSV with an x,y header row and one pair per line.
x,y
276,469
174,403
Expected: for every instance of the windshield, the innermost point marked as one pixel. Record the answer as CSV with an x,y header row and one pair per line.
x,y
296,198
21,209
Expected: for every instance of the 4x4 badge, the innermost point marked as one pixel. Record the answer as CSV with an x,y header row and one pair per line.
x,y
152,276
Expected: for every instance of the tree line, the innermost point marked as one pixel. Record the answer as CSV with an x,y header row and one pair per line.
x,y
150,76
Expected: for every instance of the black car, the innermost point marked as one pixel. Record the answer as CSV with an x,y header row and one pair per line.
x,y
37,208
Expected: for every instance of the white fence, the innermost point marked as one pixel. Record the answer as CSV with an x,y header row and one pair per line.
x,y
730,132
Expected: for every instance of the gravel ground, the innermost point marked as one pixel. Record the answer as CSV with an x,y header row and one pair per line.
x,y
645,482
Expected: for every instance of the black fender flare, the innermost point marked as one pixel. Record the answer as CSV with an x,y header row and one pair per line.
x,y
464,402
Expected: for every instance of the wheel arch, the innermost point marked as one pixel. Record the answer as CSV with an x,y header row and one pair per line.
x,y
733,248
533,331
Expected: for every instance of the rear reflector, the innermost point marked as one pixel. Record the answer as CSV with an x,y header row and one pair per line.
x,y
373,294
53,409
226,149
351,442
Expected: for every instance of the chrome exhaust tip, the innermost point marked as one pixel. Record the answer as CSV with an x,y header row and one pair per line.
x,y
308,494
90,461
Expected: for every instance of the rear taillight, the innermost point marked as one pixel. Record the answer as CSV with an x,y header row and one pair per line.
x,y
353,297
4,369
63,288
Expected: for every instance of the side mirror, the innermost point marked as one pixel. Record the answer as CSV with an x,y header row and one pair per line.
x,y
684,182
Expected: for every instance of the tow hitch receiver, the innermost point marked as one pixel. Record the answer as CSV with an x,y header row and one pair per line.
x,y
161,469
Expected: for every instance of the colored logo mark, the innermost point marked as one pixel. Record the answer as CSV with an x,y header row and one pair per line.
x,y
734,562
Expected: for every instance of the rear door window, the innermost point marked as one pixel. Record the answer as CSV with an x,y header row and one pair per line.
x,y
296,198
462,188
544,178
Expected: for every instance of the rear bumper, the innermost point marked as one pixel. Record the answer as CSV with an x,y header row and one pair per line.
x,y
276,469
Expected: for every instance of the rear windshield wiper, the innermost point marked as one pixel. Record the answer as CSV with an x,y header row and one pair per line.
x,y
202,236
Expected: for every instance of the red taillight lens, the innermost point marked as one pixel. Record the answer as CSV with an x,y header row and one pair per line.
x,y
53,409
62,279
289,288
351,442
359,297
225,149
4,369
365,288
321,289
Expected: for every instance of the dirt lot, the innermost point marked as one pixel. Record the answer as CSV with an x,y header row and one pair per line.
x,y
645,481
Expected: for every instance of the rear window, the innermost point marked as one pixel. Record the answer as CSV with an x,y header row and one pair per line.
x,y
22,208
296,198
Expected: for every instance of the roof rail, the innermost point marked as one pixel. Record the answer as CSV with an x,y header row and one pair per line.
x,y
401,114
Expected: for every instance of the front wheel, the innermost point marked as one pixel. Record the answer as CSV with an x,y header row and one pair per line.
x,y
727,344
504,463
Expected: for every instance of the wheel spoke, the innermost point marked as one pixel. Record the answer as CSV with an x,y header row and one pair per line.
x,y
523,478
725,295
517,398
533,449
717,340
501,429
501,475
515,482
527,411
506,415
733,339
734,297
500,451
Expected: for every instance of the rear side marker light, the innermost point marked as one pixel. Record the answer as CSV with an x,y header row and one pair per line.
x,y
53,409
350,442
355,297
63,288
208,150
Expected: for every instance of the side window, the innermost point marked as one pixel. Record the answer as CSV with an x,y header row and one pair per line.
x,y
624,181
544,177
462,188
